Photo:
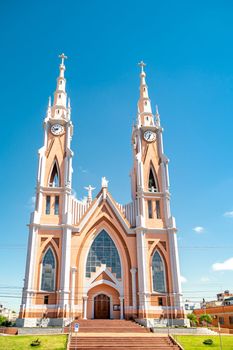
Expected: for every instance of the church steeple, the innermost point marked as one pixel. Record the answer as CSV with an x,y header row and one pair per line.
x,y
59,109
145,116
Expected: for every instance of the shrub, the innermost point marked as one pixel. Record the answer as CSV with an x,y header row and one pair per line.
x,y
208,342
36,342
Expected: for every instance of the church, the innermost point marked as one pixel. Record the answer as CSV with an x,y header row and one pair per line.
x,y
96,258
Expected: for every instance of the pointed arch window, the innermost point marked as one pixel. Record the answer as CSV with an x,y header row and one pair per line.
x,y
48,271
54,177
103,251
152,183
158,273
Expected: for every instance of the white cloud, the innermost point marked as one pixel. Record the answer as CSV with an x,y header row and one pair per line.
x,y
33,200
183,279
84,171
198,229
228,214
225,265
31,203
204,279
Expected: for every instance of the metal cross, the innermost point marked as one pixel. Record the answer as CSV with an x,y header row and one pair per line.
x,y
142,64
63,57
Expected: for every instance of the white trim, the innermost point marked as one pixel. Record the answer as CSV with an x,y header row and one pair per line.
x,y
87,217
117,212
175,268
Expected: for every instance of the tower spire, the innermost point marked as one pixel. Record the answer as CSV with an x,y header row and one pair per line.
x,y
144,104
59,108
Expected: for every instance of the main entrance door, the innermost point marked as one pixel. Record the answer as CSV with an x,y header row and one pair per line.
x,y
102,306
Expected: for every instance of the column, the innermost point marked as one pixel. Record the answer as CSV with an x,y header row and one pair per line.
x,y
142,272
85,307
133,273
121,308
65,268
175,269
73,272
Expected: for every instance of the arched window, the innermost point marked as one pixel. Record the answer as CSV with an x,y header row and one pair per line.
x,y
158,273
48,271
103,251
54,177
152,183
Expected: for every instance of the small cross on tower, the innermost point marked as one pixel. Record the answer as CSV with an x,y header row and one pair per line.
x,y
142,65
63,57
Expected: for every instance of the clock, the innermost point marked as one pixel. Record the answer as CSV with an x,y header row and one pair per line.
x,y
57,129
149,136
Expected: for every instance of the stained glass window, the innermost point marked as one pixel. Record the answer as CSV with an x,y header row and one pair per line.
x,y
158,273
103,251
48,271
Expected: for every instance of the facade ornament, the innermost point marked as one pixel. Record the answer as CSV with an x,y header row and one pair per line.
x,y
104,182
89,189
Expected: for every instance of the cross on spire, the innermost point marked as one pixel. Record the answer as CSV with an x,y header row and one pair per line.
x,y
142,65
63,57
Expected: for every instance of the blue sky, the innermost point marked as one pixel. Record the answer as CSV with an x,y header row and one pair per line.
x,y
188,50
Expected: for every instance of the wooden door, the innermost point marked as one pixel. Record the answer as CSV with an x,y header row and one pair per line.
x,y
102,307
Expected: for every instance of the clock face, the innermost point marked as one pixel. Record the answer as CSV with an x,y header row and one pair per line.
x,y
149,136
57,129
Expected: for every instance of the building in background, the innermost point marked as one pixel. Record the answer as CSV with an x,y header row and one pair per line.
x,y
190,306
8,313
98,258
221,310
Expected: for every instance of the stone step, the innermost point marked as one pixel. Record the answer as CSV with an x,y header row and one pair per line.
x,y
132,343
112,330
130,336
153,347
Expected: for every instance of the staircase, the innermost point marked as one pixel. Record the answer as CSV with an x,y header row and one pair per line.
x,y
117,335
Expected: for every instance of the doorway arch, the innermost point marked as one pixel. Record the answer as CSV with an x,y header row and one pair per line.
x,y
102,306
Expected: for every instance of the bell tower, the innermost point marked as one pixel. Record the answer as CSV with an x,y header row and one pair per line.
x,y
151,196
150,182
51,220
55,157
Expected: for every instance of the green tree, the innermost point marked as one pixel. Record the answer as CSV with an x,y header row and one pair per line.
x,y
3,319
205,318
193,319
4,322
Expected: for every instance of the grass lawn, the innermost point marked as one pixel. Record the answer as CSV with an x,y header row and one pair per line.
x,y
195,342
22,342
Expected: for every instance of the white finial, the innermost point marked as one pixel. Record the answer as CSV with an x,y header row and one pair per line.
x,y
68,102
63,57
142,65
89,193
104,182
157,116
49,103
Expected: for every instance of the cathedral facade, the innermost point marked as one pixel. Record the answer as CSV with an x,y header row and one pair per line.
x,y
96,258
